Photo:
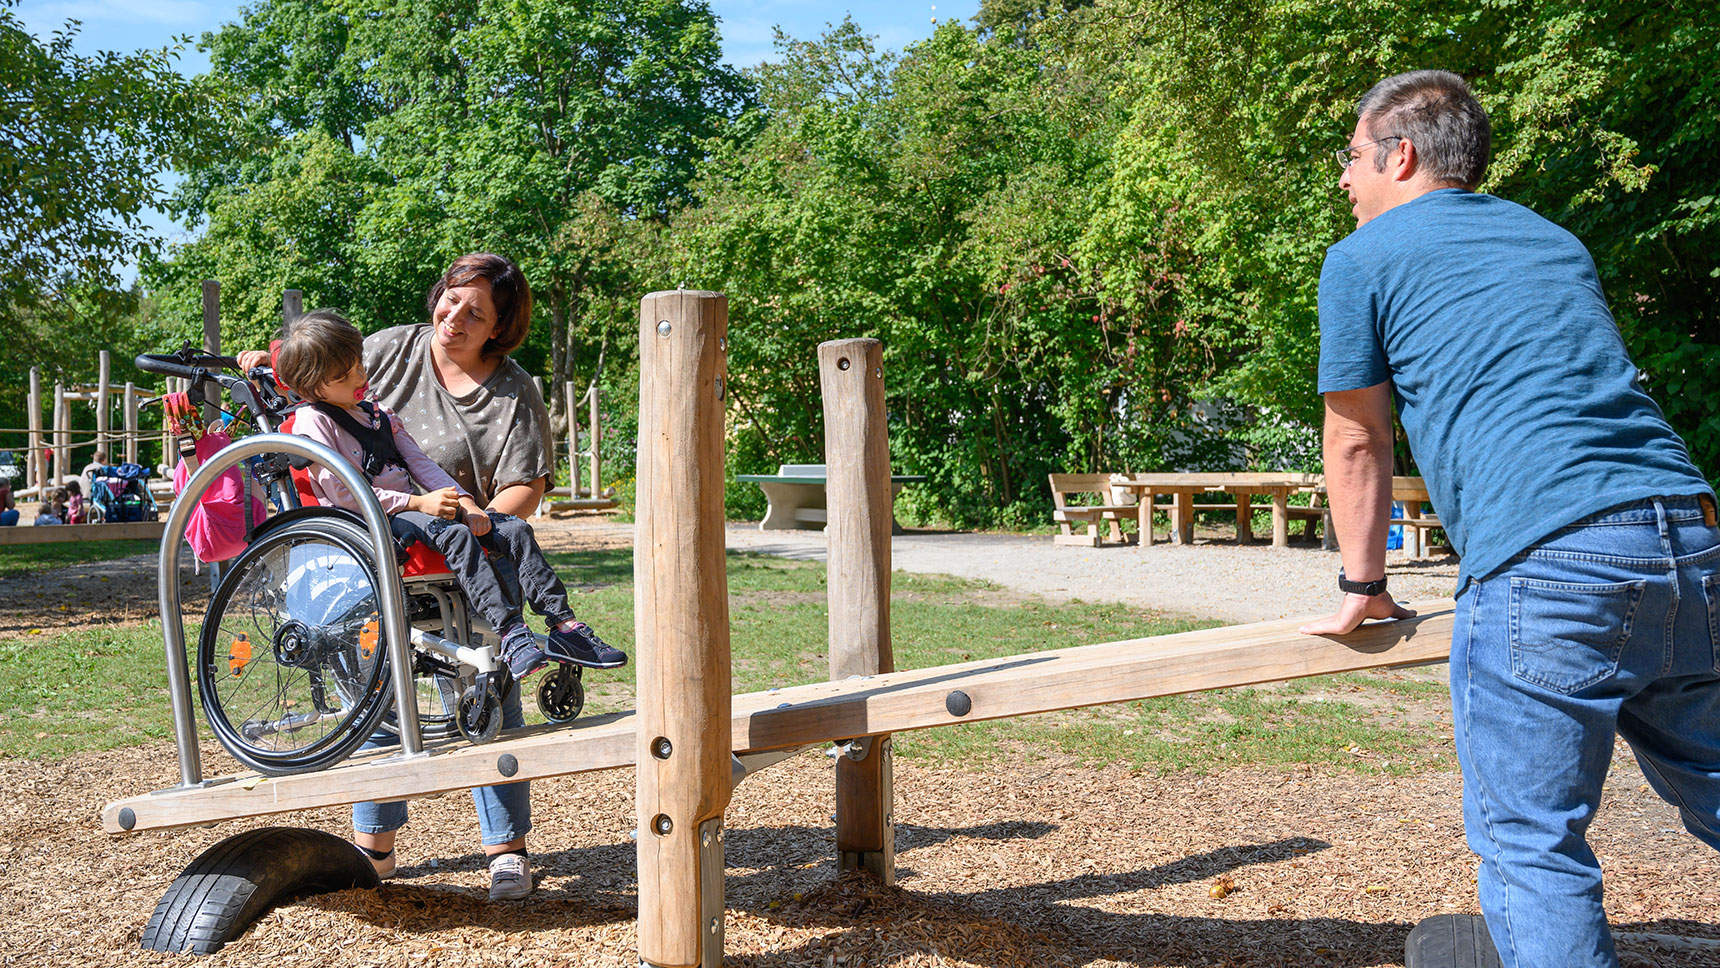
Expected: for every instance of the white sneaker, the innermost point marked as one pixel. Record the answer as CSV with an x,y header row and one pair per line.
x,y
510,877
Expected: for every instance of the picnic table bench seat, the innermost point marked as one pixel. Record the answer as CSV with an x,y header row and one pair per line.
x,y
795,498
1114,508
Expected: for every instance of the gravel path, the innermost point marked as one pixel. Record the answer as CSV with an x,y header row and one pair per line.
x,y
1209,579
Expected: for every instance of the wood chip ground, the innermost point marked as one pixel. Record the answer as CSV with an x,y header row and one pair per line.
x,y
1027,863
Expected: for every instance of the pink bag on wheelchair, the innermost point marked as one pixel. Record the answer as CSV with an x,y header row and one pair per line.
x,y
216,529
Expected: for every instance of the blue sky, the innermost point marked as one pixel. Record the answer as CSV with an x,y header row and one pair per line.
x,y
122,25
746,27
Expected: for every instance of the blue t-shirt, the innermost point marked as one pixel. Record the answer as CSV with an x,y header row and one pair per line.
x,y
1513,384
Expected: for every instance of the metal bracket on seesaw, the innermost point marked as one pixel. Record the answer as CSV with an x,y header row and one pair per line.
x,y
743,765
855,749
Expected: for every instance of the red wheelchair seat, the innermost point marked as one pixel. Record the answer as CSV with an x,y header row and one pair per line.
x,y
422,561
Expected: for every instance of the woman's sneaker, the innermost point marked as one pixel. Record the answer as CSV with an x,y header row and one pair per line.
x,y
510,877
581,646
385,865
520,652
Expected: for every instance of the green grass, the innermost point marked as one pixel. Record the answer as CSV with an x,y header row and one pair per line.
x,y
66,693
87,690
31,558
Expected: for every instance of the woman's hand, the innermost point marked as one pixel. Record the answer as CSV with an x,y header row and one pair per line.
x,y
477,518
438,504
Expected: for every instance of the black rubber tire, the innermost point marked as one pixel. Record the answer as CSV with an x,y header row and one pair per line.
x,y
236,881
1450,941
359,720
479,715
561,694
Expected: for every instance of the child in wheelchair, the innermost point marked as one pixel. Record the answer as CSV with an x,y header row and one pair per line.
x,y
322,360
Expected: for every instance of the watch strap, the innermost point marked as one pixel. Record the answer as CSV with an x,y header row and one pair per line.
x,y
1370,588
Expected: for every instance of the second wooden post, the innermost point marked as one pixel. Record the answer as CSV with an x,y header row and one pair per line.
x,y
857,495
682,620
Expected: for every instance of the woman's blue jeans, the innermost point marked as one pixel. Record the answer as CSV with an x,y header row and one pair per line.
x,y
504,810
1610,625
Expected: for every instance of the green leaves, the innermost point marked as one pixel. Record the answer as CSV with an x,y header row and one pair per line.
x,y
82,142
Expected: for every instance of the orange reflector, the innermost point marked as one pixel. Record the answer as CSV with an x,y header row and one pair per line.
x,y
239,654
368,636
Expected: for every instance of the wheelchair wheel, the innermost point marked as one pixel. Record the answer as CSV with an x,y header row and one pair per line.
x,y
480,714
561,694
291,664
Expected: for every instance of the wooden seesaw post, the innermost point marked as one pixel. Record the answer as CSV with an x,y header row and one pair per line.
x,y
682,623
857,490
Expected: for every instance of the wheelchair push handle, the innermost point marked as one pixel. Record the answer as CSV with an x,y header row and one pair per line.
x,y
187,363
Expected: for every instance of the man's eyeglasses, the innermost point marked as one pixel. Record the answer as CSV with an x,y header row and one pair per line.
x,y
1347,156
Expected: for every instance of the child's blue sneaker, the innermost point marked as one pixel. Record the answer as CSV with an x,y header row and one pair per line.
x,y
520,652
581,646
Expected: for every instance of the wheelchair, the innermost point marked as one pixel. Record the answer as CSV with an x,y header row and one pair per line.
x,y
291,665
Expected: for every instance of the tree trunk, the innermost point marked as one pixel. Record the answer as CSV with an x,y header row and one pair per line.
x,y
560,359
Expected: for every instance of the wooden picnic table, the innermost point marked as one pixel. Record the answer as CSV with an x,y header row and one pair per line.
x,y
1242,486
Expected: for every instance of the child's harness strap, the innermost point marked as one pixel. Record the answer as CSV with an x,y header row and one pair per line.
x,y
376,442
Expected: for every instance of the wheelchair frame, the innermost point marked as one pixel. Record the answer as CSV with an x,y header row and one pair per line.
x,y
404,641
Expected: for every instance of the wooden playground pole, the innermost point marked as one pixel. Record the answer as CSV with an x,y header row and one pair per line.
x,y
34,470
62,436
130,424
211,344
292,307
572,406
597,433
681,610
857,492
103,385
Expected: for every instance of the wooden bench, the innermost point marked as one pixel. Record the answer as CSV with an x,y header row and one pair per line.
x,y
794,496
1411,492
1113,508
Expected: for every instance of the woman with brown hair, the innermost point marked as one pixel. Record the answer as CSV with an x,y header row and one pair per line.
x,y
477,414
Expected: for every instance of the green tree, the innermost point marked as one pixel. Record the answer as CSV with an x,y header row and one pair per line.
x,y
1597,114
83,142
547,131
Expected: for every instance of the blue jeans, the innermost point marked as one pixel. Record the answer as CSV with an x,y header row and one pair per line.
x,y
1610,625
8,518
504,810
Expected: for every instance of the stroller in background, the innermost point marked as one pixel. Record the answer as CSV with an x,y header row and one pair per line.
x,y
120,492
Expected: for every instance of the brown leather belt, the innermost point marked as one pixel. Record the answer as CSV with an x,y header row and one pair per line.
x,y
1707,509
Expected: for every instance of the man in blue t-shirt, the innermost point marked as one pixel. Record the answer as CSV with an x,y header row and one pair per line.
x,y
1589,594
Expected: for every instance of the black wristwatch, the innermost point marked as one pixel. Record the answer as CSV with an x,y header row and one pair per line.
x,y
1369,588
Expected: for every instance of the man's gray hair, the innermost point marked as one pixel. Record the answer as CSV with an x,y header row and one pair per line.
x,y
1437,112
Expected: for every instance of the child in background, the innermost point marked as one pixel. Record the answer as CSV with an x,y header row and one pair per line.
x,y
52,511
323,361
75,503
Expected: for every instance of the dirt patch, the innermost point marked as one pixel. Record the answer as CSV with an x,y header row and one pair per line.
x,y
100,593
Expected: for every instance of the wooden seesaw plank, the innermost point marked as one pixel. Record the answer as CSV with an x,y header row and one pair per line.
x,y
118,530
1035,682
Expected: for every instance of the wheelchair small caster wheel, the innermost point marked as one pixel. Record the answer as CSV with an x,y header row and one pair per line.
x,y
561,693
480,713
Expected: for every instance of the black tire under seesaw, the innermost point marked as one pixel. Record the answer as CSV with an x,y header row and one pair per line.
x,y
1450,941
237,880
